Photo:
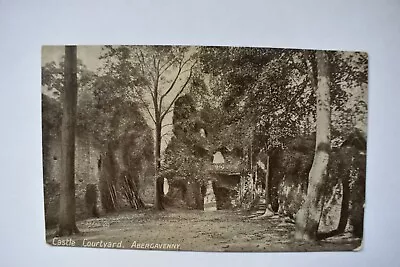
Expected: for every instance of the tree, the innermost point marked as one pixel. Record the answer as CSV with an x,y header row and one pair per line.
x,y
265,94
185,158
67,223
309,215
349,79
155,76
272,92
107,121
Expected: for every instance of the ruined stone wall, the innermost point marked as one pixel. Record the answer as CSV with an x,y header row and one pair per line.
x,y
87,172
186,194
226,190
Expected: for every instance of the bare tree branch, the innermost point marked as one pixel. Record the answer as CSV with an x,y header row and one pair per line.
x,y
167,65
181,65
142,65
166,142
149,112
165,134
171,86
143,59
166,125
155,66
150,90
145,105
156,81
179,93
167,112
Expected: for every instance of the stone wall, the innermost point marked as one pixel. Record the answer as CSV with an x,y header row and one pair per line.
x,y
87,172
183,193
225,188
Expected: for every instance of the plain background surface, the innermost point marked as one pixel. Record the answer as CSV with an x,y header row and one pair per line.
x,y
371,26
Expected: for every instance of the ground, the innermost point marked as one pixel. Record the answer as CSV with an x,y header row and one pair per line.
x,y
201,231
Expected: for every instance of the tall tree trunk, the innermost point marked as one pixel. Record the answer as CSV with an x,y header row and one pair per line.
x,y
159,205
309,215
268,209
67,223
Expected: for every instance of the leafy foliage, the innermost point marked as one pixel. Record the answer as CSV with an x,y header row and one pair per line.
x,y
270,92
107,118
152,77
186,155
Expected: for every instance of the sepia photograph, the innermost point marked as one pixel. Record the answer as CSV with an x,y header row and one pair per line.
x,y
204,148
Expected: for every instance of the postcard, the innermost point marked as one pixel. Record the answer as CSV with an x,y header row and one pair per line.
x,y
204,148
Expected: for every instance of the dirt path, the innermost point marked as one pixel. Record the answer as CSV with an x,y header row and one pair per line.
x,y
198,231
